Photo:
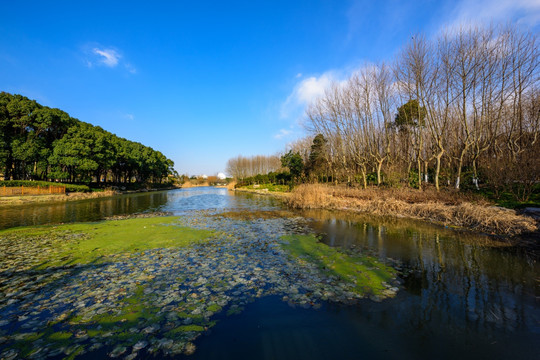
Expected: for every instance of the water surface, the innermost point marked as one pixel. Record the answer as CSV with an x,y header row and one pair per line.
x,y
462,295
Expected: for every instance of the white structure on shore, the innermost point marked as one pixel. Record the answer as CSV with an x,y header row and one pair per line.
x,y
221,176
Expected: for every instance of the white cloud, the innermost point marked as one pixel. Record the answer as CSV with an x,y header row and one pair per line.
x,y
129,116
308,89
282,133
107,57
299,75
98,55
523,12
312,88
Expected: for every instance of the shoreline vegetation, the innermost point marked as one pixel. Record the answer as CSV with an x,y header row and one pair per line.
x,y
83,192
71,196
86,193
448,209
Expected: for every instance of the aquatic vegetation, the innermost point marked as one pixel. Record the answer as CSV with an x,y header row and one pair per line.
x,y
149,286
251,215
84,243
369,276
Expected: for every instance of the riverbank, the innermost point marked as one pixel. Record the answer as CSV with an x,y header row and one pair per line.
x,y
30,199
72,196
448,209
279,194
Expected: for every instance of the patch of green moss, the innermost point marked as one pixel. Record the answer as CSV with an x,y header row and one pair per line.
x,y
365,272
132,310
186,328
85,243
79,349
60,336
214,308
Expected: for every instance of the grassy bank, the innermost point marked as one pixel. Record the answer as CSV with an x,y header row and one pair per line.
x,y
26,183
369,276
84,243
448,208
266,189
29,199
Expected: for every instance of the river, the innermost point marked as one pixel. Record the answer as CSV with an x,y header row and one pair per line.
x,y
461,295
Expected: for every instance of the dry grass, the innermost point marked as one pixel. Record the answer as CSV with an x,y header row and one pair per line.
x,y
229,186
189,184
21,200
448,208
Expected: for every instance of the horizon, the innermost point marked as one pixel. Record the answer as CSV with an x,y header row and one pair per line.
x,y
205,85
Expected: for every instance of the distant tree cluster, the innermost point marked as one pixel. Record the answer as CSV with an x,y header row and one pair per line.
x,y
40,143
242,167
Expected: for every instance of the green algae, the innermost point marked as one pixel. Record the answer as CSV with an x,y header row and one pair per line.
x,y
187,328
214,308
85,243
366,273
60,336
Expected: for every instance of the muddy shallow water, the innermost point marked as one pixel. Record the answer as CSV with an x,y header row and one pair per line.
x,y
461,295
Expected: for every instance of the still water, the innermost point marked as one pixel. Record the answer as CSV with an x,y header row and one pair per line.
x,y
463,296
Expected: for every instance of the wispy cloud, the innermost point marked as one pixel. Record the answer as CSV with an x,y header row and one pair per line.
x,y
107,57
304,92
98,55
308,89
282,133
130,68
129,116
522,12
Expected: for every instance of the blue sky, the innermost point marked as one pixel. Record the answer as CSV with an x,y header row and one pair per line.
x,y
204,81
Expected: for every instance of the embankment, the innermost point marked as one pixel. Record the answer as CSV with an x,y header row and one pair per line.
x,y
446,208
72,196
29,199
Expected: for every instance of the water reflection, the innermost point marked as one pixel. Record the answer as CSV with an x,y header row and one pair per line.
x,y
177,201
216,199
84,210
464,296
460,281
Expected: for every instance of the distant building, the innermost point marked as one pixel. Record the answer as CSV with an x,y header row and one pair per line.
x,y
221,176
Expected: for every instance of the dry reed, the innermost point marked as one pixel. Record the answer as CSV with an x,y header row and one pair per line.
x,y
448,208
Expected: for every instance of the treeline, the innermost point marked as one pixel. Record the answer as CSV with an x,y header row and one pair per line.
x,y
40,143
465,105
242,167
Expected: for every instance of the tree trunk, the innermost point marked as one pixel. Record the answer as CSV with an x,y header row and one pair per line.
x,y
364,176
438,169
460,166
419,173
379,166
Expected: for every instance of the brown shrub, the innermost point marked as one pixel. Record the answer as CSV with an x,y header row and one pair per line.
x,y
449,208
309,196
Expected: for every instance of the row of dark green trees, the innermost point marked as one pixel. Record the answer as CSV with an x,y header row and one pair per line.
x,y
40,143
